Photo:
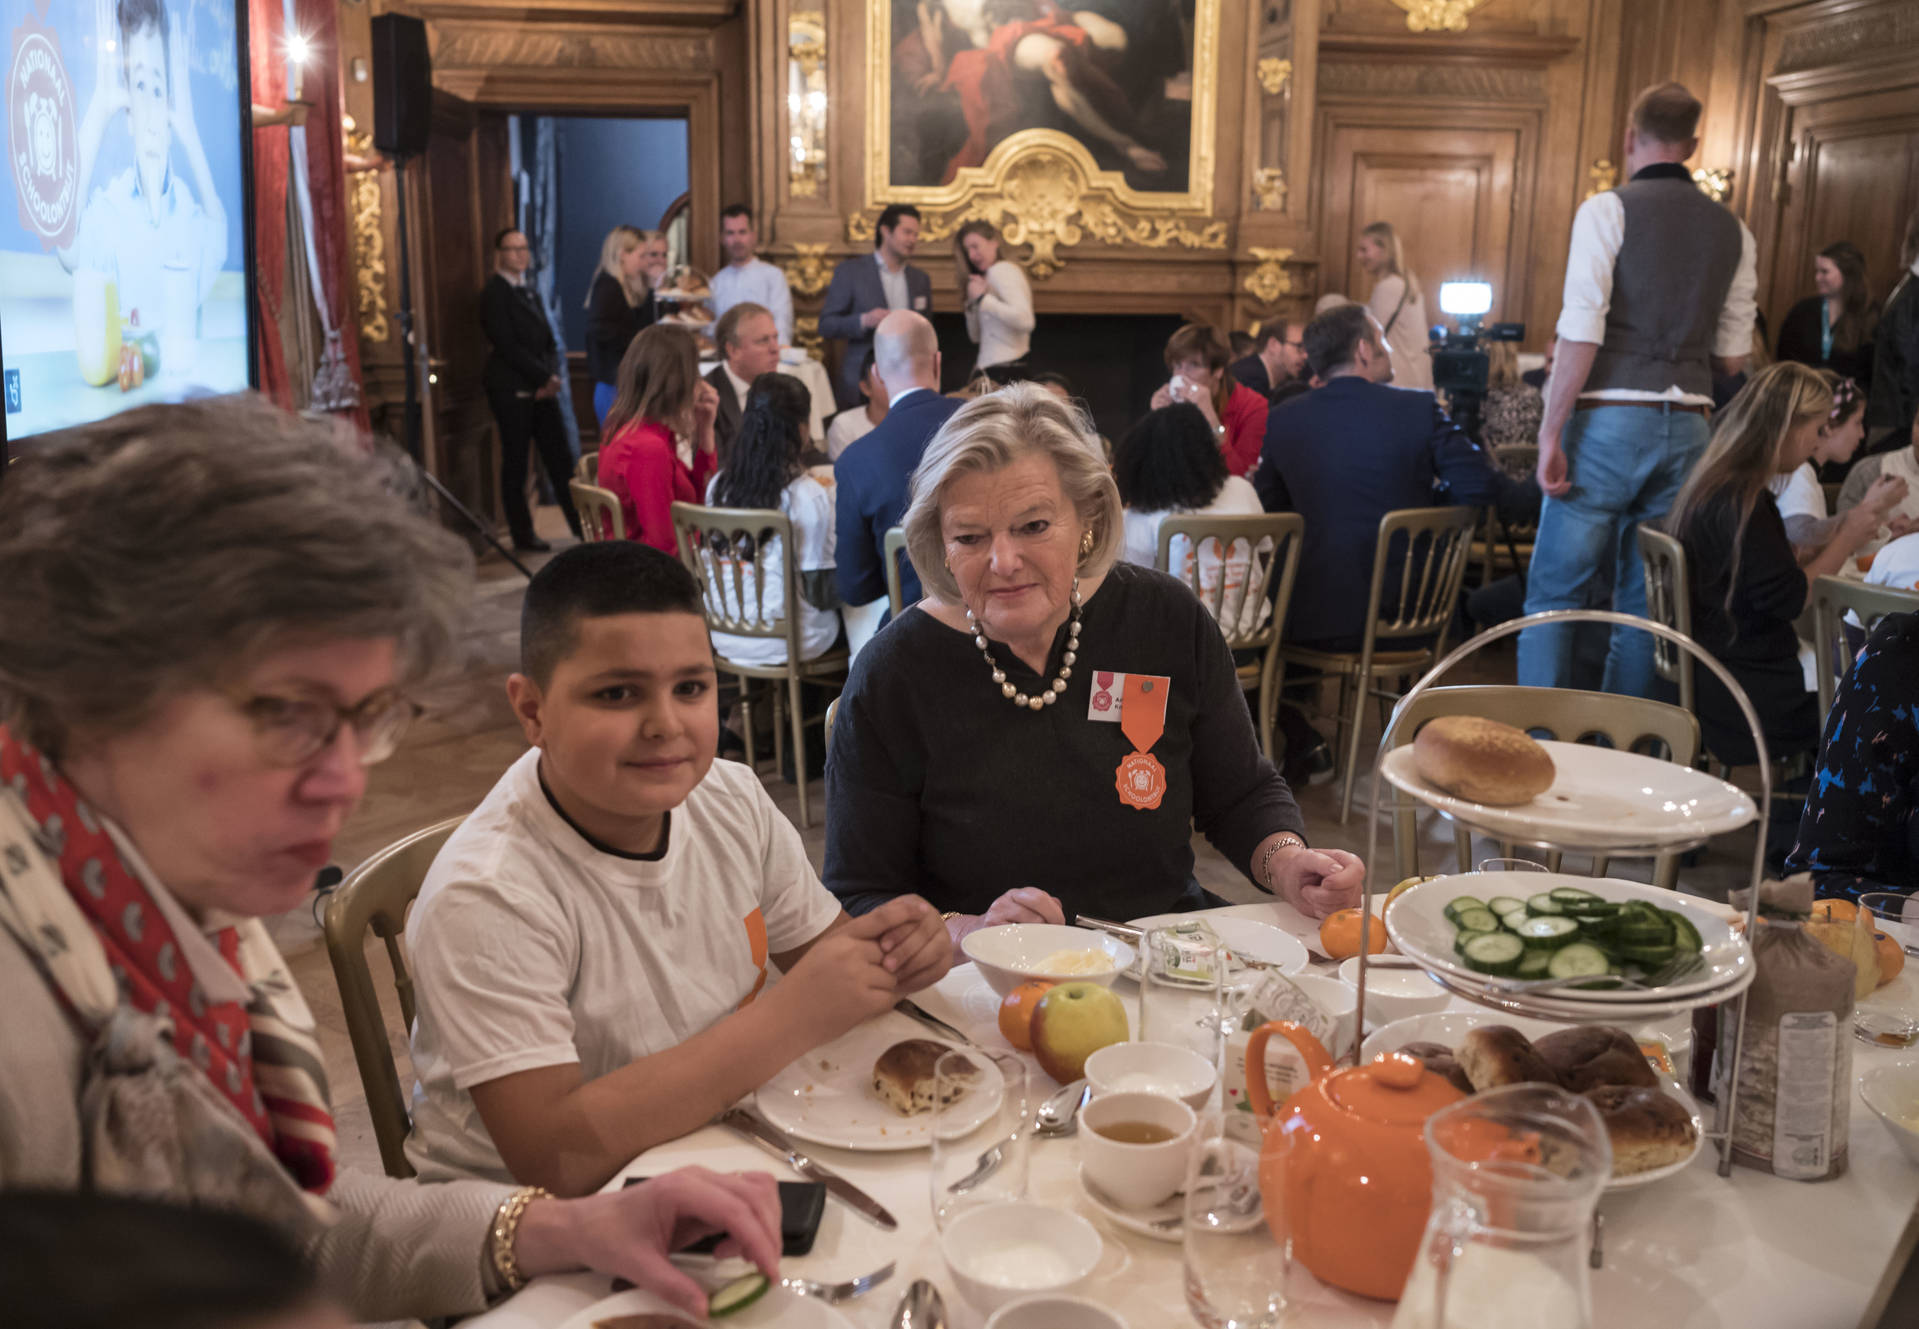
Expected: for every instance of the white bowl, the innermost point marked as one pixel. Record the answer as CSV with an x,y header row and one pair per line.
x,y
1001,1253
1055,1313
1892,1092
1394,992
1152,1068
1011,954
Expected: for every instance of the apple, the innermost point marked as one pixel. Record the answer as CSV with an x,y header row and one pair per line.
x,y
1071,1023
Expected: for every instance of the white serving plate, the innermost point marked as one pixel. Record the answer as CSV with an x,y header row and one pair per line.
x,y
779,1307
826,1096
1550,1007
1418,925
1246,937
1600,798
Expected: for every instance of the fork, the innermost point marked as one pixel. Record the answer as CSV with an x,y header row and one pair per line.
x,y
834,1293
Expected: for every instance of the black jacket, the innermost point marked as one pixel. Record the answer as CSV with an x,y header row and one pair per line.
x,y
1799,341
611,326
726,424
1895,367
525,355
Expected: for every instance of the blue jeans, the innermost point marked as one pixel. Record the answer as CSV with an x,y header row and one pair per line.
x,y
603,395
1626,464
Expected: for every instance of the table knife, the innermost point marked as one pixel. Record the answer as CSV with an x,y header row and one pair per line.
x,y
761,1132
914,1010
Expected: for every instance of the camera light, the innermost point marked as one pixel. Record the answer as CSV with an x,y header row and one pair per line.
x,y
1466,298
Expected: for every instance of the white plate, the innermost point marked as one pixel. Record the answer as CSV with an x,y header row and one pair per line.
x,y
1136,1220
1247,937
1550,1007
1600,798
1418,925
778,1307
826,1097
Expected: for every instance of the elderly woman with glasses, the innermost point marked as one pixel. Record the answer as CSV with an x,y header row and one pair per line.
x,y
212,614
1039,737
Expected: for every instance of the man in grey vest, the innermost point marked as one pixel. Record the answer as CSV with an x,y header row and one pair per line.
x,y
1660,287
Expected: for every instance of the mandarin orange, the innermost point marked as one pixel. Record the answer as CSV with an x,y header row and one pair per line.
x,y
1339,935
1892,957
1835,911
1016,1013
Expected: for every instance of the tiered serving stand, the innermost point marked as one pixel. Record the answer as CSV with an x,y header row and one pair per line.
x,y
1676,839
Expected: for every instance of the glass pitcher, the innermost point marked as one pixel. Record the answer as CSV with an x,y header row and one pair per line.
x,y
1516,1176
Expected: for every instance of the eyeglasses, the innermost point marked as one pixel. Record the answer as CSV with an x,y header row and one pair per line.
x,y
291,731
516,249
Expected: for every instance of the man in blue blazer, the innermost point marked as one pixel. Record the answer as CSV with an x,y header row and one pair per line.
x,y
1346,454
865,290
870,477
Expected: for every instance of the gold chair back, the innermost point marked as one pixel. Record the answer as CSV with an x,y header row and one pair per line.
x,y
599,509
375,896
1436,544
1832,597
1668,602
894,549
587,469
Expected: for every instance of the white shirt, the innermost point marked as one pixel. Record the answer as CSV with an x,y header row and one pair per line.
x,y
1896,564
808,504
161,268
531,947
1599,232
1001,321
757,281
848,427
740,386
1800,494
893,283
1409,335
1236,498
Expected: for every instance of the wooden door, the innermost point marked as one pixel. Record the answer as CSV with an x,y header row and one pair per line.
x,y
464,196
1448,192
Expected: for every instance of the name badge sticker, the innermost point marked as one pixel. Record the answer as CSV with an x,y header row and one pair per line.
x,y
1109,691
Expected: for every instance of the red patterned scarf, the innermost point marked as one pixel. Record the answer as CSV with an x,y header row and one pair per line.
x,y
266,1066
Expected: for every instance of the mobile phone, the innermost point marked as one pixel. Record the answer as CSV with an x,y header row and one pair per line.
x,y
802,1203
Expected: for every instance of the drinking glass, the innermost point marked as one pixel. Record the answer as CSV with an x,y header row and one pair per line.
x,y
1888,1017
1185,993
1509,865
1235,1267
979,1153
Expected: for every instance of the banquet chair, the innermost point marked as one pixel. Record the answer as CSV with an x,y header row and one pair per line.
x,y
1629,724
1436,543
1832,599
599,509
587,469
1272,543
375,896
1668,603
892,551
725,550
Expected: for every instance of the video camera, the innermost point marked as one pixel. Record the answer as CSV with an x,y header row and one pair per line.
x,y
1460,365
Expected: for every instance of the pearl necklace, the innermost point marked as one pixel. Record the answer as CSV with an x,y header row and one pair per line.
x,y
1058,685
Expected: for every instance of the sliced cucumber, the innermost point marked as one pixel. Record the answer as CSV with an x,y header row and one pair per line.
x,y
1684,935
1571,895
1579,960
737,1295
1546,933
1494,953
1513,918
1505,904
1462,903
1544,904
1476,920
1647,957
1533,964
1466,935
1643,934
1593,909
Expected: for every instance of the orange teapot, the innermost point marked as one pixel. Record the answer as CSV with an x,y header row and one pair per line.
x,y
1344,1168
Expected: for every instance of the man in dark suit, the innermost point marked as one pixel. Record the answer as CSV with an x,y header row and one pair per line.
x,y
1274,369
1345,455
749,342
523,386
871,475
865,290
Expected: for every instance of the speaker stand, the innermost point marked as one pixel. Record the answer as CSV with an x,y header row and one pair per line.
x,y
410,421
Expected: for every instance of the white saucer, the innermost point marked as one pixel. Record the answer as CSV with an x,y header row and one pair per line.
x,y
1136,1220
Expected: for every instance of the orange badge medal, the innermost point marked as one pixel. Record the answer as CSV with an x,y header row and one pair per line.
x,y
1141,780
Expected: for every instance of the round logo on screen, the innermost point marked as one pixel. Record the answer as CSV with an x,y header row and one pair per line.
x,y
43,149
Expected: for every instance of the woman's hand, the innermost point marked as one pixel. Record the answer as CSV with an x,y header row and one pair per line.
x,y
1024,904
1161,399
1883,495
630,1233
975,287
706,409
1317,882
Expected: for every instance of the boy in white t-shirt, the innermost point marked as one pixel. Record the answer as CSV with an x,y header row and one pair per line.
x,y
589,946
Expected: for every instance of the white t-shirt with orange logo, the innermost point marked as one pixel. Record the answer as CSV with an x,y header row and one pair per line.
x,y
531,947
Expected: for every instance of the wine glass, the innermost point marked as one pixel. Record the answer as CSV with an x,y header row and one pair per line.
x,y
1509,865
1185,994
979,1147
1236,1267
1887,1017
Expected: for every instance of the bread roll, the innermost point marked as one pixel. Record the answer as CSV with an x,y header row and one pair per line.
x,y
1482,760
1649,1129
1593,1055
1440,1061
1496,1055
903,1076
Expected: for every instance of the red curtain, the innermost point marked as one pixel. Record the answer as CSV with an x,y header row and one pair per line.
x,y
265,38
327,181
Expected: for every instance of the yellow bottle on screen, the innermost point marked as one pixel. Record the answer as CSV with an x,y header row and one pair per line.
x,y
96,326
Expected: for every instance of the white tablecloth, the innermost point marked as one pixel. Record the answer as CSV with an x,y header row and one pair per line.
x,y
1695,1251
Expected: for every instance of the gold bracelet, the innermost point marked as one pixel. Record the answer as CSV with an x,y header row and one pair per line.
x,y
506,1234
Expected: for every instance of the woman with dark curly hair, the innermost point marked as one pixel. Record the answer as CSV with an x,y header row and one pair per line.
x,y
764,470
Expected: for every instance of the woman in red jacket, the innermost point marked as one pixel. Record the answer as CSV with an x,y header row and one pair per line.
x,y
661,395
1198,357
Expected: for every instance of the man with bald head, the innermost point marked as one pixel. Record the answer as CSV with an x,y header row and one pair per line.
x,y
870,476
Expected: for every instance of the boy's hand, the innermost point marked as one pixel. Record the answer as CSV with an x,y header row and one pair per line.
x,y
917,950
842,981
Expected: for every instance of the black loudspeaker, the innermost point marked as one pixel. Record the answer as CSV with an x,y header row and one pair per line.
x,y
402,85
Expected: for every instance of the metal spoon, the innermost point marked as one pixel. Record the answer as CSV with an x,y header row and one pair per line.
x,y
1058,1116
921,1308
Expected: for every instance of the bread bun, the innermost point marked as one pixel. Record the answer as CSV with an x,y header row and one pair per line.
x,y
903,1076
1481,760
1496,1055
1592,1055
1649,1129
1439,1059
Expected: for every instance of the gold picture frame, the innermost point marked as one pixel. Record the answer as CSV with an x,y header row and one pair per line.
x,y
1043,166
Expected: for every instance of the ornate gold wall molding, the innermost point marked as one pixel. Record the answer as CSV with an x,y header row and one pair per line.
x,y
1270,280
809,270
1601,175
1398,78
552,45
1042,189
1269,189
368,239
1438,15
1273,74
806,333
1837,41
